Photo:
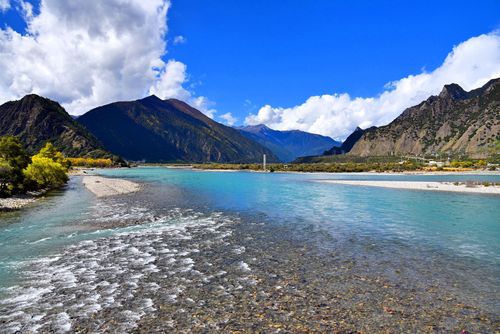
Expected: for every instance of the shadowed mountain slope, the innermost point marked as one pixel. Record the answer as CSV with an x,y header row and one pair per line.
x,y
156,130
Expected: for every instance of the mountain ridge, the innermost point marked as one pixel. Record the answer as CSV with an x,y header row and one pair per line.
x,y
454,122
37,120
349,142
290,144
170,131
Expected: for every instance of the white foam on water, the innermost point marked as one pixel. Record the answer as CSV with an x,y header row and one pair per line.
x,y
40,240
63,322
152,286
119,272
147,305
243,266
26,296
239,250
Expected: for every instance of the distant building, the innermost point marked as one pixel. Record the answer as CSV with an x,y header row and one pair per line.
x,y
436,163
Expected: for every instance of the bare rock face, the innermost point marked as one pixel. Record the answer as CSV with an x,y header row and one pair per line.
x,y
37,120
455,122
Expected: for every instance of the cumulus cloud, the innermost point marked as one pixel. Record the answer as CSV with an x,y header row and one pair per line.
x,y
4,5
470,64
179,40
88,53
169,84
27,9
228,118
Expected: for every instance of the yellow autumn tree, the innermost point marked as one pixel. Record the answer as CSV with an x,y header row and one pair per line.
x,y
47,168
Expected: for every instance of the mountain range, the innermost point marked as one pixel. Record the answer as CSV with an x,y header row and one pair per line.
x,y
455,122
155,130
288,145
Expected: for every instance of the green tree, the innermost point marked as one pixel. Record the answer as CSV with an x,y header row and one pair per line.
x,y
13,159
45,172
6,172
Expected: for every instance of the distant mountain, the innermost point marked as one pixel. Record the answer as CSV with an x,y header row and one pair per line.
x,y
288,145
37,120
158,130
348,143
455,122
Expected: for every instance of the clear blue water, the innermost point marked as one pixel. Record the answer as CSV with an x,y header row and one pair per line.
x,y
461,224
449,238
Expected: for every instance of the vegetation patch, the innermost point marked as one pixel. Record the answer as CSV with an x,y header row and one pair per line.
x,y
20,173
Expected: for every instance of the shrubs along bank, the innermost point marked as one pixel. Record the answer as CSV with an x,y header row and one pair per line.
x,y
91,162
20,173
377,165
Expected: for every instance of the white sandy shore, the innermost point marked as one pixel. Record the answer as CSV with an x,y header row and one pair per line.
x,y
421,185
103,186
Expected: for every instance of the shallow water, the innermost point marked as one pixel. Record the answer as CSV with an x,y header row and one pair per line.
x,y
214,251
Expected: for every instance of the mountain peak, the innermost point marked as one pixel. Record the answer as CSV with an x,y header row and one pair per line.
x,y
254,128
150,98
168,130
453,91
31,97
36,120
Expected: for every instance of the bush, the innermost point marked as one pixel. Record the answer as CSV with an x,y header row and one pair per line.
x,y
45,172
47,168
90,162
13,159
461,164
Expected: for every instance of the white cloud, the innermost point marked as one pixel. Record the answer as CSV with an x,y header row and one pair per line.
x,y
228,118
169,84
4,5
27,10
170,80
88,53
470,64
179,40
203,104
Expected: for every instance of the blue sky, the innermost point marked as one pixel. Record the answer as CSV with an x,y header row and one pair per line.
x,y
321,66
282,52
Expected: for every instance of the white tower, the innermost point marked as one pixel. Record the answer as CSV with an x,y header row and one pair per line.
x,y
264,162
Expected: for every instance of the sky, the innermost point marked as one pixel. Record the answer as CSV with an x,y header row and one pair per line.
x,y
321,66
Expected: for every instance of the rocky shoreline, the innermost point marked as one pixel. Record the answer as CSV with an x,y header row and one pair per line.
x,y
16,202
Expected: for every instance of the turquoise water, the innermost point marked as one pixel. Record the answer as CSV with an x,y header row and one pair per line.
x,y
419,239
461,224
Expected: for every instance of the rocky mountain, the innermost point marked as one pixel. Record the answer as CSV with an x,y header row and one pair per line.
x,y
288,145
156,130
348,143
456,122
37,120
